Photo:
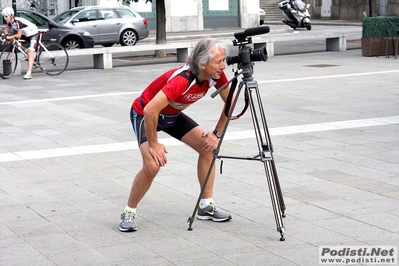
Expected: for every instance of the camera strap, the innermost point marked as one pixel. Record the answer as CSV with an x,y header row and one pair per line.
x,y
230,97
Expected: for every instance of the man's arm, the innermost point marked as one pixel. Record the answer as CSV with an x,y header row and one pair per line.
x,y
291,8
151,114
18,35
210,140
6,30
223,118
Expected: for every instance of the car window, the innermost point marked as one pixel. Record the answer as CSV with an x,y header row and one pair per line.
x,y
87,15
125,13
107,14
35,19
64,17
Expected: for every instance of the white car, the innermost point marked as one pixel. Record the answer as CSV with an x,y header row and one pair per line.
x,y
262,16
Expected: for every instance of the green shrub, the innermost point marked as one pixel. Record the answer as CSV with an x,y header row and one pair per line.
x,y
369,26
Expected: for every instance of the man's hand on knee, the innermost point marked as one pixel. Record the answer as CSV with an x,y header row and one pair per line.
x,y
209,142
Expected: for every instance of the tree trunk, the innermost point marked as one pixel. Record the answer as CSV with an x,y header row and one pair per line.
x,y
372,8
161,27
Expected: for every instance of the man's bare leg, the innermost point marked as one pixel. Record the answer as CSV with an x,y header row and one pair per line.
x,y
207,209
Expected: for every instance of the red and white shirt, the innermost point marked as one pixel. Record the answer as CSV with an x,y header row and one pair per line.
x,y
181,88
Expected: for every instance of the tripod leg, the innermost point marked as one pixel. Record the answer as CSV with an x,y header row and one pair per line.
x,y
275,198
278,187
266,154
270,149
191,218
215,156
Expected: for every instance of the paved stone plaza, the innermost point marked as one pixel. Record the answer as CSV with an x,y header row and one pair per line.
x,y
68,157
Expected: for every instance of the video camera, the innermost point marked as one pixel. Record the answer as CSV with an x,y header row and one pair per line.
x,y
246,54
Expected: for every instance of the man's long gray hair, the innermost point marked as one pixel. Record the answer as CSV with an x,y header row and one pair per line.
x,y
202,53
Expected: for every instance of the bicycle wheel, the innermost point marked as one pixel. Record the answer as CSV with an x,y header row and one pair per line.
x,y
8,62
53,61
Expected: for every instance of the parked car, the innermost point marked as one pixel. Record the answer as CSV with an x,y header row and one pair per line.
x,y
67,37
108,25
262,16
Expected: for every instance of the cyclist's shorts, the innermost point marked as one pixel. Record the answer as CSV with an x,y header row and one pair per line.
x,y
31,40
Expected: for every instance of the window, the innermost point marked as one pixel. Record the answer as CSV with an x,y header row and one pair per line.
x,y
125,13
108,14
88,15
65,17
35,19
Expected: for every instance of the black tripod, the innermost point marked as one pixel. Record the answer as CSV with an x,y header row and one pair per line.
x,y
265,147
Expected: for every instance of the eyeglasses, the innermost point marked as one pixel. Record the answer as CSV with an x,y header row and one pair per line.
x,y
7,16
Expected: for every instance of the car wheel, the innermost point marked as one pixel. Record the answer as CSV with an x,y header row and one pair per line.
x,y
72,43
128,38
107,44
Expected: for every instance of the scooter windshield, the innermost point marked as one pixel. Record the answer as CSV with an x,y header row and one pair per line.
x,y
299,5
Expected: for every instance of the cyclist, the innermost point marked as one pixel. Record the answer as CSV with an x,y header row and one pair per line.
x,y
26,31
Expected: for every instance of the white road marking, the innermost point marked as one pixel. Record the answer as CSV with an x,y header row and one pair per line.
x,y
138,92
330,76
123,146
70,98
132,145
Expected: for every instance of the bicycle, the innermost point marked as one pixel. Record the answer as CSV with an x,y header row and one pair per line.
x,y
51,58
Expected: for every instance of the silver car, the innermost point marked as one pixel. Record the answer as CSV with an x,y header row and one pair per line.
x,y
107,25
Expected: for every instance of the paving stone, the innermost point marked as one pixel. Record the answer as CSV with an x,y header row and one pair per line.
x,y
68,157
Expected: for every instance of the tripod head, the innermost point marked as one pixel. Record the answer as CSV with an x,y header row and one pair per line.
x,y
247,55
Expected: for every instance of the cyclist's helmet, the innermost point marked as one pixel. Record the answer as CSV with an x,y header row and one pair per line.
x,y
8,11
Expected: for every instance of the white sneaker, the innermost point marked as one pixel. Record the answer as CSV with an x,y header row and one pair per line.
x,y
28,76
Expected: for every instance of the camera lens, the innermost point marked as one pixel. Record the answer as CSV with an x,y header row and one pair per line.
x,y
232,60
259,54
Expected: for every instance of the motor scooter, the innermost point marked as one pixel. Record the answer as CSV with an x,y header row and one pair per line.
x,y
301,14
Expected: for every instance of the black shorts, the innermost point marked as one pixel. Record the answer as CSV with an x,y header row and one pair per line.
x,y
31,41
175,125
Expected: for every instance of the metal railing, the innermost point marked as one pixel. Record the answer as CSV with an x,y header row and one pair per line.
x,y
48,8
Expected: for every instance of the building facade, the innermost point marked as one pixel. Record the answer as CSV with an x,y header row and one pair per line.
x,y
194,15
181,15
354,9
185,15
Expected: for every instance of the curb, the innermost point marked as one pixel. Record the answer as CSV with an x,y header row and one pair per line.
x,y
206,33
229,32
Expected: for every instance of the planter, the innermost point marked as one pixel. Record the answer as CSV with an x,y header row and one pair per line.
x,y
372,28
370,47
